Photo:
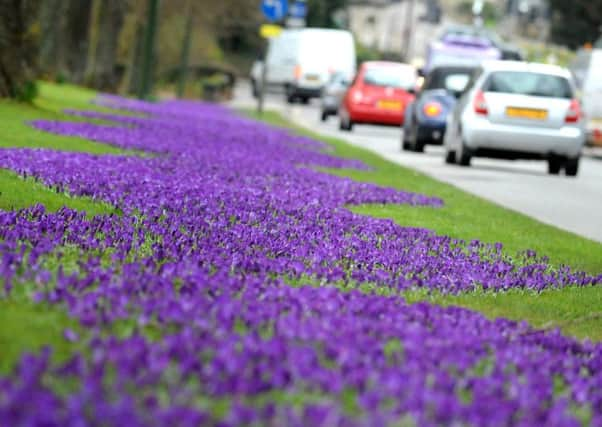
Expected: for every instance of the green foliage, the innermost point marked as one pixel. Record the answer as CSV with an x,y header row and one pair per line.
x,y
320,12
575,23
365,53
27,92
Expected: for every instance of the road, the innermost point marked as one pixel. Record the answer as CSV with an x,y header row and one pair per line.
x,y
573,204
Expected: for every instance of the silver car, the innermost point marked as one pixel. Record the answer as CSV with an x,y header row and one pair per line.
x,y
518,110
332,95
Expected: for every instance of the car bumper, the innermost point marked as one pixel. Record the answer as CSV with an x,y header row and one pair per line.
x,y
373,115
481,134
310,92
431,133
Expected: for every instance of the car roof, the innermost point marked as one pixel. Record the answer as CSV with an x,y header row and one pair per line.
x,y
451,67
387,64
535,67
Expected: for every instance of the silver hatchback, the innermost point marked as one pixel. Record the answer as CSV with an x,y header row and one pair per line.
x,y
518,110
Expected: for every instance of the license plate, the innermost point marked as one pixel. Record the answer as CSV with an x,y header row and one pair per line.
x,y
312,78
527,113
390,105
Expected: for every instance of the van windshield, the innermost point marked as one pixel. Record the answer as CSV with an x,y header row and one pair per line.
x,y
528,83
329,50
390,77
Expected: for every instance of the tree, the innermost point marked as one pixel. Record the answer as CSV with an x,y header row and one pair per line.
x,y
106,23
18,48
320,12
575,22
76,39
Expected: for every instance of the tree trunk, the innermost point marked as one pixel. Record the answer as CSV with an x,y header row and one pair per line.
x,y
18,48
52,27
102,58
76,39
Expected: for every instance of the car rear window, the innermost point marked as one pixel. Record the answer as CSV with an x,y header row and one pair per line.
x,y
451,80
390,77
528,83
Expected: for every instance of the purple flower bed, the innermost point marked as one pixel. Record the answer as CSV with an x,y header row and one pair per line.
x,y
202,295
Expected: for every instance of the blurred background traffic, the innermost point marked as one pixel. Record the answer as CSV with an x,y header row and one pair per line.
x,y
205,48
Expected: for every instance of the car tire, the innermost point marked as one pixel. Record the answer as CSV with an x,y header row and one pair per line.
x,y
554,165
463,156
571,166
346,125
291,97
416,145
304,100
324,116
254,89
450,157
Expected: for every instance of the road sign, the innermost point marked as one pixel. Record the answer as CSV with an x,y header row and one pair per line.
x,y
274,10
268,31
298,10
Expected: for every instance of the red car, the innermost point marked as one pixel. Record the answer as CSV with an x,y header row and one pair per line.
x,y
379,94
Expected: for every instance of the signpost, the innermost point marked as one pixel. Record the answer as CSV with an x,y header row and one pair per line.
x,y
274,10
298,10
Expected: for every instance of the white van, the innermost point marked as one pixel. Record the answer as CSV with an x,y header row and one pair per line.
x,y
302,60
587,70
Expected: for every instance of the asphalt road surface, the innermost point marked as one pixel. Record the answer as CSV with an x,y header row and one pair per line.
x,y
573,204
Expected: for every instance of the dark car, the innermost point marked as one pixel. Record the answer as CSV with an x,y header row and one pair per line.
x,y
332,95
426,116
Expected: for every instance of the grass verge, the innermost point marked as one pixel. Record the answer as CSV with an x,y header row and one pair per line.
x,y
49,105
576,311
18,193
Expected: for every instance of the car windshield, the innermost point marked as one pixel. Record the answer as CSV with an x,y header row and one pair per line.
x,y
391,77
450,80
528,83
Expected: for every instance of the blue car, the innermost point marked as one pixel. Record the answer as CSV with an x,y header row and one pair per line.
x,y
426,117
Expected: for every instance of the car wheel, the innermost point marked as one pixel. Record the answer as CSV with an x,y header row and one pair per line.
x,y
345,122
405,141
290,95
324,116
450,157
572,166
416,144
463,156
254,89
554,165
304,100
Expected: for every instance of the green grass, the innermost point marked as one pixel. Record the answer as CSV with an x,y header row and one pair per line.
x,y
577,311
49,104
464,216
26,326
18,193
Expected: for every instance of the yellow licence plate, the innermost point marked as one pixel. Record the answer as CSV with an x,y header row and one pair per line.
x,y
312,77
390,105
527,113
